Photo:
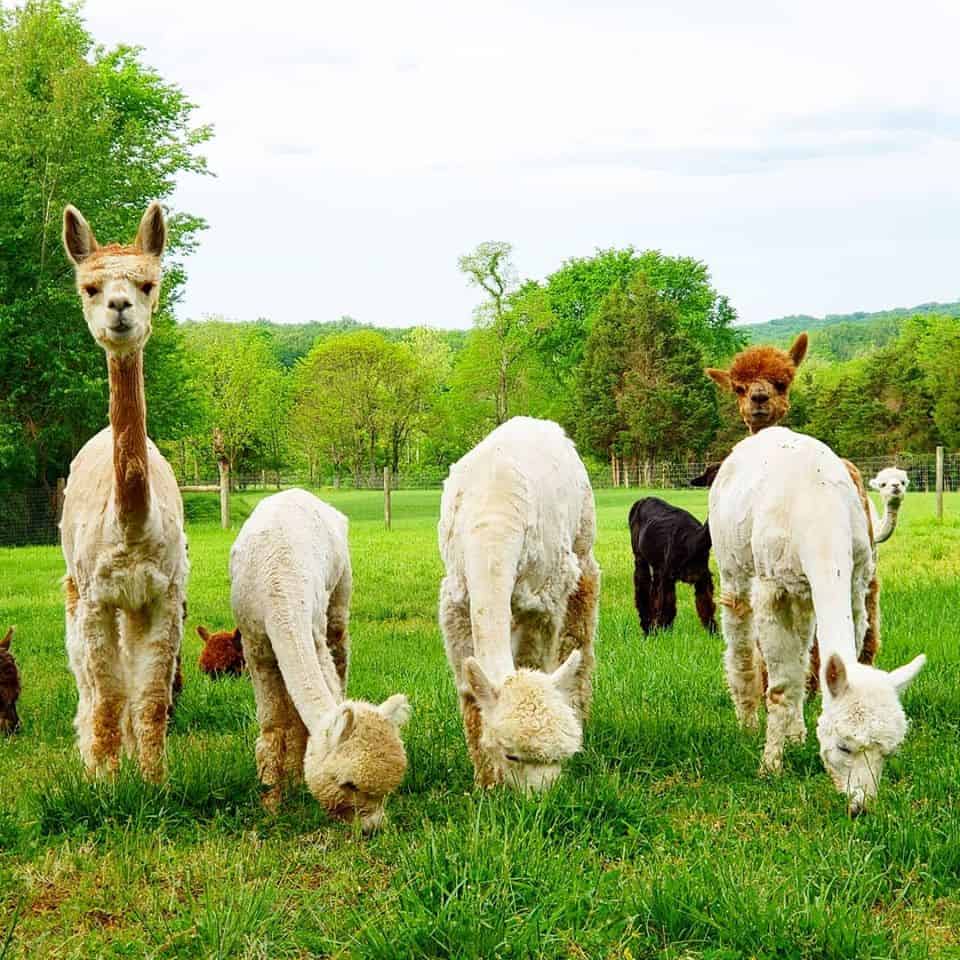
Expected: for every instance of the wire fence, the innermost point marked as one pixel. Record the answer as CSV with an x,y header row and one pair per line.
x,y
32,516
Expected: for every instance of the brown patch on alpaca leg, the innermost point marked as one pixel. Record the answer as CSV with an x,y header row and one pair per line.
x,y
105,745
871,639
813,674
485,774
579,628
151,729
71,595
338,643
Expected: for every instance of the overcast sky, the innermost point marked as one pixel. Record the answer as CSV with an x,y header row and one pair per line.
x,y
808,151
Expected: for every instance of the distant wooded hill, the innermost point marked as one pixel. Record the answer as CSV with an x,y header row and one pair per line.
x,y
843,336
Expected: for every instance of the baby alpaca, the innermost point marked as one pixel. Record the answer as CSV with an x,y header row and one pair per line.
x,y
9,687
793,546
291,586
518,604
669,544
222,653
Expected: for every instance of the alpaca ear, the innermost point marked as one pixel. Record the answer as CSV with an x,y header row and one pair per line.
x,y
238,640
203,634
396,709
836,676
478,683
903,676
78,238
5,642
342,725
720,377
565,676
152,235
798,349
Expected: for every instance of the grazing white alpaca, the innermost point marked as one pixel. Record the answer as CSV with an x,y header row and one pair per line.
x,y
891,483
122,523
518,604
291,585
791,540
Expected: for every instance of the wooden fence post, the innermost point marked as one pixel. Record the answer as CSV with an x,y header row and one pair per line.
x,y
387,518
223,465
939,483
60,494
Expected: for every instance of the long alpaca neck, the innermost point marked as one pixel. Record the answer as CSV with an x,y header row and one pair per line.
x,y
888,522
128,420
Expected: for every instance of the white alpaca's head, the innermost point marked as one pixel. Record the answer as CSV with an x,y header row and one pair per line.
x,y
118,285
529,724
358,760
891,484
862,724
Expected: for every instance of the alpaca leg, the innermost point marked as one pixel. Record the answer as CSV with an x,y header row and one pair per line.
x,y
153,638
706,609
784,628
869,645
79,667
743,673
642,594
294,744
338,639
666,591
273,715
580,628
458,640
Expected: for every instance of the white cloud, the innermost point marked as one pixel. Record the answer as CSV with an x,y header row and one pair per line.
x,y
805,151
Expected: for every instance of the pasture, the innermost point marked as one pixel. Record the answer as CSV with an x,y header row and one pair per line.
x,y
659,841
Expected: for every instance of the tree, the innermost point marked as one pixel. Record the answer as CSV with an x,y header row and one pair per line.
x,y
103,131
939,358
641,389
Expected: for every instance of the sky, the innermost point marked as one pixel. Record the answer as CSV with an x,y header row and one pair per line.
x,y
808,151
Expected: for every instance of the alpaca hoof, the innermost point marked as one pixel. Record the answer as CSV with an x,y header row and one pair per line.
x,y
750,722
770,766
271,799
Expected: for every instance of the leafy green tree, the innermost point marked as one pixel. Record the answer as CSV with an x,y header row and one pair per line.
x,y
101,130
939,358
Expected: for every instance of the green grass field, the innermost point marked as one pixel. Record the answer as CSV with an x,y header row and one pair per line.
x,y
659,841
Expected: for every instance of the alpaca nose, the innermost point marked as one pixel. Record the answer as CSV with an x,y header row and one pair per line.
x,y
119,304
759,397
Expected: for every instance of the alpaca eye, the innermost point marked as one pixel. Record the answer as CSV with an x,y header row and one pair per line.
x,y
740,391
844,749
512,758
146,287
349,785
780,387
91,290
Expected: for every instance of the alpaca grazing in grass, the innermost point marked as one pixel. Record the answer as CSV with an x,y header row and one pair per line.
x,y
291,586
760,378
9,686
518,604
669,544
794,550
222,653
122,523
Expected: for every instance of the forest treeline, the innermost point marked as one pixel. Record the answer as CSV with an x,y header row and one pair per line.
x,y
611,345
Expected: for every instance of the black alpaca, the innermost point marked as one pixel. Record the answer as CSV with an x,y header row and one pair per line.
x,y
669,544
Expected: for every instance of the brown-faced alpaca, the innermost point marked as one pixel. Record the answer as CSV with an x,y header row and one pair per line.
x,y
291,584
122,524
9,687
222,653
760,378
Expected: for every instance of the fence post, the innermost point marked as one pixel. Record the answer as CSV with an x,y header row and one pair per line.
x,y
939,483
61,493
386,497
224,467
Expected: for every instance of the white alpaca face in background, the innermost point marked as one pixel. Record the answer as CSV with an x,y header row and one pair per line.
x,y
861,725
118,286
529,724
891,483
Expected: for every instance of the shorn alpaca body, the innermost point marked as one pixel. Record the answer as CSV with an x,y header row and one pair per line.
x,y
222,653
669,544
9,686
122,524
291,586
518,604
792,544
760,378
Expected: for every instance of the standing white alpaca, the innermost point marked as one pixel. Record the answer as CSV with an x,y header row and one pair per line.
x,y
791,540
891,483
518,604
122,524
291,585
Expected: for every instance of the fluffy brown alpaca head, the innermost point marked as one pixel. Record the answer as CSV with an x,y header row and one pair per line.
x,y
9,687
222,652
119,285
358,760
760,378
